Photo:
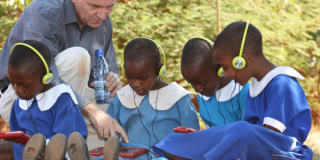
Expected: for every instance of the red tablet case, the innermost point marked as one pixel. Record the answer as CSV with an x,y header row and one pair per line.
x,y
139,151
184,129
19,136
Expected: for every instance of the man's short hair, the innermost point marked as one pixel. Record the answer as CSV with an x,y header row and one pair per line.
x,y
141,49
230,39
196,51
24,57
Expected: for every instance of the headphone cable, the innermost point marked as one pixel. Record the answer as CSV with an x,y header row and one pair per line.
x,y
239,103
206,110
28,102
140,117
156,111
235,82
35,127
224,119
154,120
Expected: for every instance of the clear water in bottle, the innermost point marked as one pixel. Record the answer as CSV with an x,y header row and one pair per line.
x,y
100,73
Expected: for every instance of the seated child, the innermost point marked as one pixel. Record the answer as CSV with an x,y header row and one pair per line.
x,y
149,108
277,119
42,108
220,100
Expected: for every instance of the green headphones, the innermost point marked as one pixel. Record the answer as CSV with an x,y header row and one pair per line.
x,y
162,70
46,78
239,62
220,71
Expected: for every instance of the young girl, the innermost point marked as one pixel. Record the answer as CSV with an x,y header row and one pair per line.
x,y
42,106
149,108
277,119
220,100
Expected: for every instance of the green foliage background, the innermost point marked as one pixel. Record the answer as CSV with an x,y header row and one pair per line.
x,y
290,29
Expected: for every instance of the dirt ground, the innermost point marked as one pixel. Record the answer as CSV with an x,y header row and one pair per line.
x,y
313,141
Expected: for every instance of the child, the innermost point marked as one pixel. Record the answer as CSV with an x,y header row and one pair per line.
x,y
277,119
41,107
149,108
221,101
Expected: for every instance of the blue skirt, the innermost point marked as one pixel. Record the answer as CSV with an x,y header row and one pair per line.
x,y
240,141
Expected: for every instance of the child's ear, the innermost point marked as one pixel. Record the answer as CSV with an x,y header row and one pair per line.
x,y
247,59
159,67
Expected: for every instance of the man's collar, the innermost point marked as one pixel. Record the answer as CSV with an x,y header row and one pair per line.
x,y
70,13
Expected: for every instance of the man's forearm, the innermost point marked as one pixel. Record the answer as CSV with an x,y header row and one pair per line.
x,y
89,109
82,102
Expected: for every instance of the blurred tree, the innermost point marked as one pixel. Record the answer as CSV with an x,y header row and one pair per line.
x,y
10,11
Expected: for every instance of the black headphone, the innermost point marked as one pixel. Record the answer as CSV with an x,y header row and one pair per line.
x,y
218,107
235,81
152,121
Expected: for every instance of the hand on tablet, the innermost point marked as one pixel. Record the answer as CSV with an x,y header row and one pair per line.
x,y
2,140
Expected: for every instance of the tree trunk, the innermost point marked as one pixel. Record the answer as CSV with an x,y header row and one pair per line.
x,y
318,88
218,18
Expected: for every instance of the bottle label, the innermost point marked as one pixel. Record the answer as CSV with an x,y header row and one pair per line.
x,y
100,87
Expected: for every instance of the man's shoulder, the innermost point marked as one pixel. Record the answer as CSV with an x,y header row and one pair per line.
x,y
46,6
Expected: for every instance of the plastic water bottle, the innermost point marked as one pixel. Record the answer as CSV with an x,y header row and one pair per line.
x,y
100,73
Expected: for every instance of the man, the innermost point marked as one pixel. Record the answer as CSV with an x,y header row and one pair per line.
x,y
61,25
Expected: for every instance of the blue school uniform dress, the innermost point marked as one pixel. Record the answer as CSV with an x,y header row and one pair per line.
x,y
277,100
226,106
159,114
54,111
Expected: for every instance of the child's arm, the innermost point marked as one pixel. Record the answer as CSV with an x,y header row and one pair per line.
x,y
188,113
68,118
285,101
271,128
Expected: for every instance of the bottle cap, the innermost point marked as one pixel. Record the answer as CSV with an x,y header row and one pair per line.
x,y
99,51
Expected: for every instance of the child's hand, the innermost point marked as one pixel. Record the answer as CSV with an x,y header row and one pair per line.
x,y
2,140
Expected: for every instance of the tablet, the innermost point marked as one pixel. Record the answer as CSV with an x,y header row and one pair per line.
x,y
18,136
181,129
123,152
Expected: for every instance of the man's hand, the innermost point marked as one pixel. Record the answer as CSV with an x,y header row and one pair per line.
x,y
113,84
104,123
